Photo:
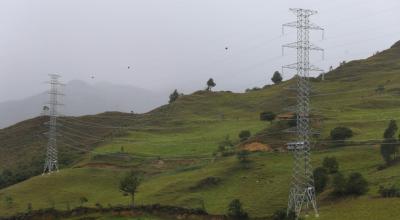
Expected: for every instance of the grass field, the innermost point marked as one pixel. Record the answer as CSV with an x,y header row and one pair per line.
x,y
173,146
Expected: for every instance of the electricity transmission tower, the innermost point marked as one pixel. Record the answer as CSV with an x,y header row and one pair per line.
x,y
51,163
302,192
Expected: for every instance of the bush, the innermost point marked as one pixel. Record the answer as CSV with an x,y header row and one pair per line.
x,y
244,135
267,116
320,179
281,214
356,185
235,210
390,192
331,165
341,133
339,184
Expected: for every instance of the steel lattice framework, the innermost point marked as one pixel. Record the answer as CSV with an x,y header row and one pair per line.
x,y
51,163
302,192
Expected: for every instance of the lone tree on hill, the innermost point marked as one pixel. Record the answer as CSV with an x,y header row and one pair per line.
x,y
174,96
129,185
267,116
210,84
277,77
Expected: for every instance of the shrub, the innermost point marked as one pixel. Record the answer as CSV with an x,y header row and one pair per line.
x,y
356,185
341,133
331,165
390,130
339,184
235,210
388,150
267,116
320,179
390,192
244,135
174,96
282,214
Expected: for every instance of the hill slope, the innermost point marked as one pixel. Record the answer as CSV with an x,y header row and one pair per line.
x,y
173,146
82,99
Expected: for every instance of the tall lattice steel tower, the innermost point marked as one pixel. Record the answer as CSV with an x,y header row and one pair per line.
x,y
51,163
302,192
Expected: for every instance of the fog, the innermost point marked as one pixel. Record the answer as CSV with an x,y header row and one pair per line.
x,y
161,45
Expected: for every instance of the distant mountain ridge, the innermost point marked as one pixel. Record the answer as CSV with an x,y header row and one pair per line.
x,y
82,98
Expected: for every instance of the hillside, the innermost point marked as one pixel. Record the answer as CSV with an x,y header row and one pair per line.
x,y
82,98
174,145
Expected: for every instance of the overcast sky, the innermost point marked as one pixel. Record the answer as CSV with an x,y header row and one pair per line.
x,y
176,43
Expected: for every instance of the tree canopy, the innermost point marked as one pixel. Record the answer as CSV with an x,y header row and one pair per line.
x,y
129,185
210,84
277,77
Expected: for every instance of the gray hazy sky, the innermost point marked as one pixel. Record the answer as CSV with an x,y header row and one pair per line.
x,y
176,43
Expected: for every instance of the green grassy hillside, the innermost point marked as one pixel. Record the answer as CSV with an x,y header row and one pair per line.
x,y
174,147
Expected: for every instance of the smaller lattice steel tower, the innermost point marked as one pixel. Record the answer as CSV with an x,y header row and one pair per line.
x,y
302,192
51,163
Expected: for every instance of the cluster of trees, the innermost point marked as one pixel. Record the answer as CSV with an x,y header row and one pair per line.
x,y
354,184
9,177
390,146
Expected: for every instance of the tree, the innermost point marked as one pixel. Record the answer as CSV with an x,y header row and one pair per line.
x,y
244,135
390,130
174,96
320,179
330,164
356,184
388,150
339,184
210,84
235,210
389,147
129,185
267,116
341,133
277,77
